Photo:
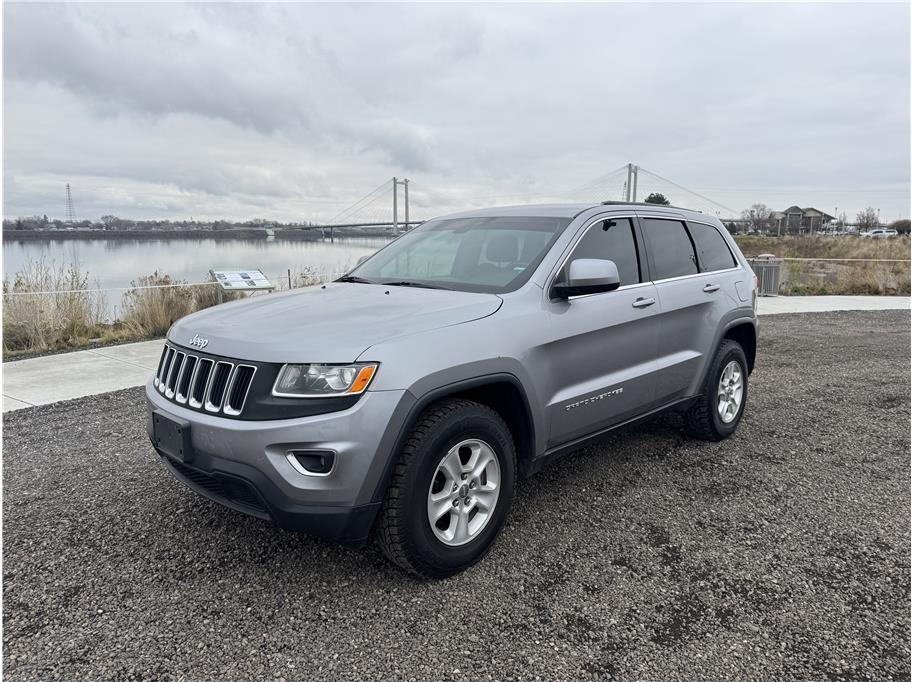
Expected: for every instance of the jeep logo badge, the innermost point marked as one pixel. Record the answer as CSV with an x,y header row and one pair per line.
x,y
199,341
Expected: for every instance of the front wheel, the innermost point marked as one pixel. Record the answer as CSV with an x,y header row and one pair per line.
x,y
451,490
718,409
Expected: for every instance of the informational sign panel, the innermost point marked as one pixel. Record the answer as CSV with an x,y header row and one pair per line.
x,y
236,279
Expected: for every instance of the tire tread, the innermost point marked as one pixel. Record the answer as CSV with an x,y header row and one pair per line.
x,y
698,420
391,533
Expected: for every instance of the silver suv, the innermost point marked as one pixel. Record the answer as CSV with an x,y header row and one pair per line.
x,y
403,400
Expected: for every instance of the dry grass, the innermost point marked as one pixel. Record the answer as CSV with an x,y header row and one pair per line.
x,y
157,301
40,322
821,278
307,276
60,321
150,312
824,247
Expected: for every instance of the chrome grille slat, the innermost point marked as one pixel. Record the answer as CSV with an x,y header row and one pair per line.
x,y
173,373
182,388
161,364
234,404
201,383
218,385
166,368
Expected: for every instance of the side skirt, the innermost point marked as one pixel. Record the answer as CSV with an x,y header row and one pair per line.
x,y
560,451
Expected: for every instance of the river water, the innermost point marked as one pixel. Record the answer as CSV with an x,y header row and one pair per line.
x,y
114,263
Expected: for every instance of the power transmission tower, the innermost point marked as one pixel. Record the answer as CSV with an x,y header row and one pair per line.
x,y
70,211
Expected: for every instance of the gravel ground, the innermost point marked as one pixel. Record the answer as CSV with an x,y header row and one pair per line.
x,y
780,553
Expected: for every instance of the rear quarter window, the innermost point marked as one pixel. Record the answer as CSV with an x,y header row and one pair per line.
x,y
712,251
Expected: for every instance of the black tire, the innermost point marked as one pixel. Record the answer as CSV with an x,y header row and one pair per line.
x,y
403,530
702,420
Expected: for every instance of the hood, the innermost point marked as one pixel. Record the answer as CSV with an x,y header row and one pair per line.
x,y
331,324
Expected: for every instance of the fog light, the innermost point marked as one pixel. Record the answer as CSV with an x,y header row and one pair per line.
x,y
313,462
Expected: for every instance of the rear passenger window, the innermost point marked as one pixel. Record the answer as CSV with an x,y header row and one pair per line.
x,y
611,240
712,250
671,248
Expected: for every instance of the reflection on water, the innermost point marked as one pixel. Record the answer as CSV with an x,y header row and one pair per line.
x,y
116,262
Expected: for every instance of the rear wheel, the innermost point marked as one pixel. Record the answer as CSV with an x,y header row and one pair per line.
x,y
451,490
719,408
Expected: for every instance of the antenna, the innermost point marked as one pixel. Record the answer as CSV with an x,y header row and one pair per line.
x,y
70,211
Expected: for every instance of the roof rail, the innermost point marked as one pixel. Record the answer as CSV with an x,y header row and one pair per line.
x,y
644,203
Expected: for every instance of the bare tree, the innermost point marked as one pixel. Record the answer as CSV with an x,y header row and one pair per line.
x,y
867,219
760,216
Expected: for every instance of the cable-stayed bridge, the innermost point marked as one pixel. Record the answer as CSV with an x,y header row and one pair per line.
x,y
387,207
634,184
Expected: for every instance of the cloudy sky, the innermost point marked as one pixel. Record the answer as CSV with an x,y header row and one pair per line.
x,y
293,112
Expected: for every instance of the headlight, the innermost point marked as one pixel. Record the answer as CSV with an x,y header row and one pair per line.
x,y
319,381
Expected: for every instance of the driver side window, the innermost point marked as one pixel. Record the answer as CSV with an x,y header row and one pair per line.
x,y
613,240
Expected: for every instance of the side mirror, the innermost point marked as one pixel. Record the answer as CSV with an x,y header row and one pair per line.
x,y
588,276
361,260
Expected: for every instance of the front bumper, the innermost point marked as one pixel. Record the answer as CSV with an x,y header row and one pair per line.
x,y
244,464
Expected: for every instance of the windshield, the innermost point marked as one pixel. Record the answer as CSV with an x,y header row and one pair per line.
x,y
488,254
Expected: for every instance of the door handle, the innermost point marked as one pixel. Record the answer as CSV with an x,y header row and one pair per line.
x,y
643,302
709,288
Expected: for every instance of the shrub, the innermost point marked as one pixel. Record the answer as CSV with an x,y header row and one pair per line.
x,y
150,312
208,296
158,301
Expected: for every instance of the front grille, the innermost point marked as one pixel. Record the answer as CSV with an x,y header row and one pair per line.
x,y
219,487
216,386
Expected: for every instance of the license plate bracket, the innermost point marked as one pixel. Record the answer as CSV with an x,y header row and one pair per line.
x,y
172,436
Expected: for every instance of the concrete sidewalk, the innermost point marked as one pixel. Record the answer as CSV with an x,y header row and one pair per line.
x,y
776,305
49,379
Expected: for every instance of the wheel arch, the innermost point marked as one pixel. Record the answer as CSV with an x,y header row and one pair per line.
x,y
502,392
744,332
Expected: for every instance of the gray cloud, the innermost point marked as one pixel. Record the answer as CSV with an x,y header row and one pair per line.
x,y
293,111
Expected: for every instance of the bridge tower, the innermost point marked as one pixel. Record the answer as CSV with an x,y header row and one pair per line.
x,y
405,185
630,186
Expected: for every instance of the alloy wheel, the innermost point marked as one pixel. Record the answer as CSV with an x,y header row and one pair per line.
x,y
463,492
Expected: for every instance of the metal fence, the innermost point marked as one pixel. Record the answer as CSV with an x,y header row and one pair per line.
x,y
768,269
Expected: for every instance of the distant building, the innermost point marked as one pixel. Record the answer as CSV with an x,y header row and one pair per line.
x,y
797,220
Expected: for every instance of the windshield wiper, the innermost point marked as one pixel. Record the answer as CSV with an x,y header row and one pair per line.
x,y
356,280
410,283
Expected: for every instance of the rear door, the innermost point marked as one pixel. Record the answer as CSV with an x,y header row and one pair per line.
x,y
694,274
601,359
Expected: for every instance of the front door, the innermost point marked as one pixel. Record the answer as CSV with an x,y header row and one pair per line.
x,y
601,367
